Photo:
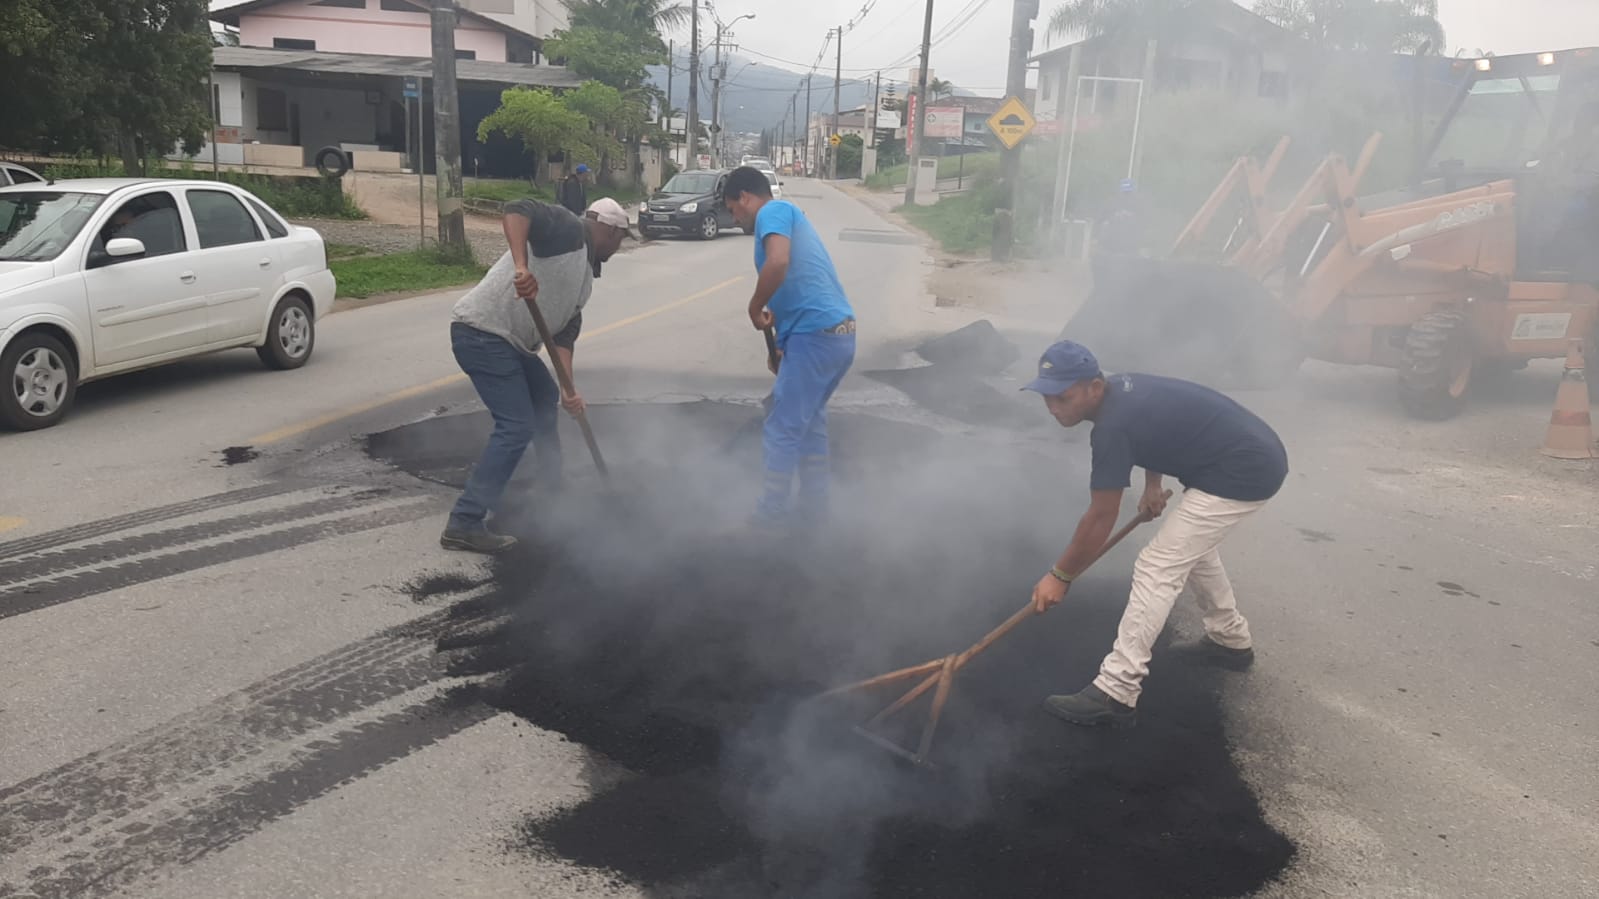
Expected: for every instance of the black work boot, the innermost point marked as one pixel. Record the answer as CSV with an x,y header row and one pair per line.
x,y
476,540
1209,652
1091,707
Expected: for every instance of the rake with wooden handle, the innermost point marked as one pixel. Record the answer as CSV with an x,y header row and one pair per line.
x,y
564,378
938,675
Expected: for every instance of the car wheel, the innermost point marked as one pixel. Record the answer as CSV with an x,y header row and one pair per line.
x,y
41,382
710,227
290,336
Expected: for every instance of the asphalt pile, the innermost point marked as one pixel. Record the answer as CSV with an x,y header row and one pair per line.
x,y
651,629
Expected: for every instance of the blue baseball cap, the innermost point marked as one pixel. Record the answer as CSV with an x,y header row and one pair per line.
x,y
582,169
1065,363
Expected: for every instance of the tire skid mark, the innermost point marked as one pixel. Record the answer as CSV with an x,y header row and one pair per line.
x,y
42,594
137,853
92,529
108,784
96,555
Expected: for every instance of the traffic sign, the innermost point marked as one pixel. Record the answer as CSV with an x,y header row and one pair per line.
x,y
413,88
1011,123
835,140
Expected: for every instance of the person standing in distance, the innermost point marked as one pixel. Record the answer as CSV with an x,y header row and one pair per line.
x,y
798,293
553,259
1230,463
574,193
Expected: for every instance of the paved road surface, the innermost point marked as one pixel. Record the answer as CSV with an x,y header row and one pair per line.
x,y
217,683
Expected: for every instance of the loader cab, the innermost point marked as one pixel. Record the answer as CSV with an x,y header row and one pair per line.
x,y
1533,119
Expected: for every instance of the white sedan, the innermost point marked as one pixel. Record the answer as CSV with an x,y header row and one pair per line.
x,y
103,276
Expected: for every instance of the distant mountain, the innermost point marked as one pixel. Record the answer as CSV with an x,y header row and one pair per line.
x,y
763,90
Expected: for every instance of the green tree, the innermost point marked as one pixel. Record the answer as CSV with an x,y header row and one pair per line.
x,y
937,87
615,58
542,122
850,148
108,76
1379,26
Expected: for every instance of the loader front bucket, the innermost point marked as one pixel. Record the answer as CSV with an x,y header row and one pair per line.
x,y
1200,321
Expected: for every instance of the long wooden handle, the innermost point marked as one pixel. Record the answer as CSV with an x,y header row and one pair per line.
x,y
771,347
564,378
1028,610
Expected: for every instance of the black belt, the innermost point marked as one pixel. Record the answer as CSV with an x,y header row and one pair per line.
x,y
847,326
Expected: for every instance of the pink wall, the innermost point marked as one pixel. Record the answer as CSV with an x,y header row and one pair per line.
x,y
372,30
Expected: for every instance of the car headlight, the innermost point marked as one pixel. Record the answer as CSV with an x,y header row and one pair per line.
x,y
644,207
689,207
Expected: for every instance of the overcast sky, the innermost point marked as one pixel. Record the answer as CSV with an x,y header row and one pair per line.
x,y
973,54
974,57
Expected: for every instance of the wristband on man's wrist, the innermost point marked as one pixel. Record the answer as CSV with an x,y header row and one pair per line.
x,y
1059,575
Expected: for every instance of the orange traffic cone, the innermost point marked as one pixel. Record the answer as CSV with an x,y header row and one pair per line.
x,y
1570,428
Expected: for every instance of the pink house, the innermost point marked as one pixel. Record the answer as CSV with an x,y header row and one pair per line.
x,y
381,27
356,75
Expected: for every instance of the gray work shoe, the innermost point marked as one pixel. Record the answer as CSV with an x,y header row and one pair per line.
x,y
1209,652
1091,707
480,540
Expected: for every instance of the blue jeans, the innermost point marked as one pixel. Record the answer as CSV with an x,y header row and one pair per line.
x,y
523,400
795,436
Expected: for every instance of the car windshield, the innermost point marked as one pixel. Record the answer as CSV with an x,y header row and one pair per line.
x,y
1502,124
38,225
691,183
771,177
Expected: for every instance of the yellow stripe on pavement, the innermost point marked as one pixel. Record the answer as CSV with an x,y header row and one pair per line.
x,y
305,427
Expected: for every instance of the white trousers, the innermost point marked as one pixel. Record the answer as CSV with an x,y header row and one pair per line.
x,y
1183,551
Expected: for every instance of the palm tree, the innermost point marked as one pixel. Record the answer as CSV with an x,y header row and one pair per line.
x,y
1120,18
653,17
937,87
1377,26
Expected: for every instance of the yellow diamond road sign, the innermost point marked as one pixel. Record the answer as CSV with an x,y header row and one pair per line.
x,y
1011,123
835,140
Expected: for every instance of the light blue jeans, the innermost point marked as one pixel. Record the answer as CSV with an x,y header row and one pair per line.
x,y
523,400
795,436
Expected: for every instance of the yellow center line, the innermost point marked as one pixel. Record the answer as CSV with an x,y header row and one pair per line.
x,y
309,425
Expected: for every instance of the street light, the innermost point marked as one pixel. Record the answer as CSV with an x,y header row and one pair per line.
x,y
718,78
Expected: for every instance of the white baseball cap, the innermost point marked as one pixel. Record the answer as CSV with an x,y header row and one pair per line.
x,y
607,211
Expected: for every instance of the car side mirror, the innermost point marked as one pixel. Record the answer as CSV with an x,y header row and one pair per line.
x,y
124,247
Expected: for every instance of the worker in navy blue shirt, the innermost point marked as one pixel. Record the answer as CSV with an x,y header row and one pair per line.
x,y
797,293
1229,463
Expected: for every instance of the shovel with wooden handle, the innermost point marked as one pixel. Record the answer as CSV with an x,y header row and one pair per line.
x,y
564,378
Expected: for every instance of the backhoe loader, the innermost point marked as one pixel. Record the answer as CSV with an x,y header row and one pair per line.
x,y
1488,259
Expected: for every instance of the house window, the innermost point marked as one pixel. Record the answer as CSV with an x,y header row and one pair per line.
x,y
341,4
271,109
400,6
1273,85
466,54
292,43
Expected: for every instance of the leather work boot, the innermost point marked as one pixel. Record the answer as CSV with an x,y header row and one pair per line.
x,y
480,540
1091,707
1210,652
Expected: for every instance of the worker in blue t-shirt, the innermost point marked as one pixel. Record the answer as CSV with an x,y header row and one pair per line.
x,y
798,294
1229,463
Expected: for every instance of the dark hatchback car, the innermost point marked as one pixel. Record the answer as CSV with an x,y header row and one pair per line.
x,y
690,204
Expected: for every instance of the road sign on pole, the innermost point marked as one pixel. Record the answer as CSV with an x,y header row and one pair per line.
x,y
835,140
1011,123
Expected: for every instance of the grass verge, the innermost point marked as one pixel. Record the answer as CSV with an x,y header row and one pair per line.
x,y
961,223
362,275
977,164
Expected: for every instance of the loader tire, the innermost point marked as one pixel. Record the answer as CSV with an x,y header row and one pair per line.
x,y
1435,372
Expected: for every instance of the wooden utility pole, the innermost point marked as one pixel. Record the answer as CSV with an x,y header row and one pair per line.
x,y
1010,161
693,128
913,132
447,133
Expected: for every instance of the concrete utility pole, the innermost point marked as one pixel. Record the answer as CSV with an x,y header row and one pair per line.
x,y
716,98
871,139
693,128
838,74
810,170
447,132
913,130
1010,163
